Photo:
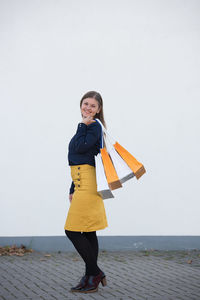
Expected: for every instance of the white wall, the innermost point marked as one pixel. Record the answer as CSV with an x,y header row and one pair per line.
x,y
143,57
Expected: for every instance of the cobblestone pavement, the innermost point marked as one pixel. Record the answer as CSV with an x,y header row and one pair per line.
x,y
142,275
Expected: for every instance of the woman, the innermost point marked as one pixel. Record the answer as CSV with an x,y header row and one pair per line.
x,y
86,214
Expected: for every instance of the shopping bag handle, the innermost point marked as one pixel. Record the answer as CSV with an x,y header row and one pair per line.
x,y
101,142
107,134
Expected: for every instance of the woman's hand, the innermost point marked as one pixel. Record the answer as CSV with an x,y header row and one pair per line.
x,y
88,120
70,197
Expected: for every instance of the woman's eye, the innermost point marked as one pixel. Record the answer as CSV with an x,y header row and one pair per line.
x,y
93,106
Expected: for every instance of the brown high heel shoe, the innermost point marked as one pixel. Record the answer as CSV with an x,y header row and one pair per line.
x,y
81,284
93,282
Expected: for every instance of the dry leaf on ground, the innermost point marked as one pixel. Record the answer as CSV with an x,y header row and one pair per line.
x,y
14,250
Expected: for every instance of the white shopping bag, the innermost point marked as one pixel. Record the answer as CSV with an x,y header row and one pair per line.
x,y
102,184
123,171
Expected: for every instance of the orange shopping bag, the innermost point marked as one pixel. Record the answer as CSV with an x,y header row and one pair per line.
x,y
111,174
132,162
134,165
112,178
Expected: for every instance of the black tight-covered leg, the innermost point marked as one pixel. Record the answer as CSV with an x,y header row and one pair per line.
x,y
92,238
88,251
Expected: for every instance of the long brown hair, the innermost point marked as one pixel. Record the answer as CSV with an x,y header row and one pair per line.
x,y
97,96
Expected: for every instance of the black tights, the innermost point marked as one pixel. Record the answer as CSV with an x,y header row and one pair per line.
x,y
86,243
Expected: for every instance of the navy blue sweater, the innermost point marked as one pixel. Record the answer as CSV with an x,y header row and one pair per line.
x,y
84,145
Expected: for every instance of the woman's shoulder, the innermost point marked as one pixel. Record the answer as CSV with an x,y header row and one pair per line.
x,y
95,127
95,124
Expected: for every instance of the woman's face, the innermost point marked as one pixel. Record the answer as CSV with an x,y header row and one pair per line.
x,y
89,107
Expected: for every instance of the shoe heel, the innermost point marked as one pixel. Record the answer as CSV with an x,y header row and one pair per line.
x,y
103,281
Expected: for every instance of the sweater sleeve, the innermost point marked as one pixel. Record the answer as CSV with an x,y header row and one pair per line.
x,y
71,191
86,136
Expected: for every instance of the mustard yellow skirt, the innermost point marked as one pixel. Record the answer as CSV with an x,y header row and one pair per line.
x,y
86,211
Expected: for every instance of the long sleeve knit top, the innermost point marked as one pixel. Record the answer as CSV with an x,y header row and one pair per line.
x,y
84,145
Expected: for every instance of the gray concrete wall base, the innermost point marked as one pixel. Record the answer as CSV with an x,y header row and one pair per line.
x,y
111,243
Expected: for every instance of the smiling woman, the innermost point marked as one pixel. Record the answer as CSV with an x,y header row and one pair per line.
x,y
90,107
86,213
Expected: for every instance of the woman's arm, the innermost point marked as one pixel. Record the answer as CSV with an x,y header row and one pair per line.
x,y
86,136
71,190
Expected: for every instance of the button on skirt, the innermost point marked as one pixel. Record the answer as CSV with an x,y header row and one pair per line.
x,y
86,211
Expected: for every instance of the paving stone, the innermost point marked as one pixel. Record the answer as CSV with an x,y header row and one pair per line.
x,y
142,275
